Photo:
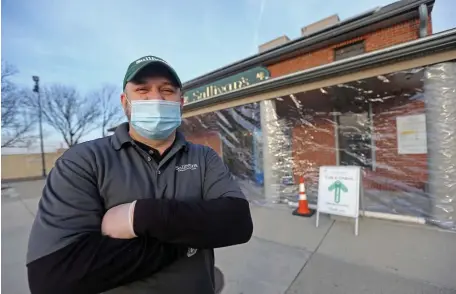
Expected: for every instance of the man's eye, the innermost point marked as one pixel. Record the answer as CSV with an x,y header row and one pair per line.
x,y
142,91
168,90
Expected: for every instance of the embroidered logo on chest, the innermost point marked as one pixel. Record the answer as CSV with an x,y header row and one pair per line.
x,y
186,167
191,252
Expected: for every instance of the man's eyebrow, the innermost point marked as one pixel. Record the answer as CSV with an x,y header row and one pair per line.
x,y
138,82
139,85
170,84
142,83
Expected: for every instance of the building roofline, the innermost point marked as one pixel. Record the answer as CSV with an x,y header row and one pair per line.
x,y
440,42
368,21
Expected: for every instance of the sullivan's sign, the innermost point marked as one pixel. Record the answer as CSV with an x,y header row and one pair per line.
x,y
231,83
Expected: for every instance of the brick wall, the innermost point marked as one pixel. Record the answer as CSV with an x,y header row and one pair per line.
x,y
396,172
24,166
208,138
400,33
311,119
314,145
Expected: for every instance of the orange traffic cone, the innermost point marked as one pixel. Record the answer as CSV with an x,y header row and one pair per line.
x,y
303,206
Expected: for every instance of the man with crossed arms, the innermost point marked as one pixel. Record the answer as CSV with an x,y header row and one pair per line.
x,y
139,211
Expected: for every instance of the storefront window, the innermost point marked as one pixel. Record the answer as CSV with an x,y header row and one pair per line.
x,y
378,123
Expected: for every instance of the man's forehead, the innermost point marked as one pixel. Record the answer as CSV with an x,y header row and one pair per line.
x,y
154,73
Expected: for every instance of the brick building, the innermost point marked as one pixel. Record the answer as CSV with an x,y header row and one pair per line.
x,y
277,134
324,42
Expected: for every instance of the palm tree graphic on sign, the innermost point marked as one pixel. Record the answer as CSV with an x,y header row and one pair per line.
x,y
337,187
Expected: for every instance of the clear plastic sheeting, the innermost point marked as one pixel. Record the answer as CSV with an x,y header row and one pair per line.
x,y
440,90
399,127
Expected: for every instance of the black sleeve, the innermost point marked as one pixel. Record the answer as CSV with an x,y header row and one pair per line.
x,y
95,264
67,252
205,224
222,219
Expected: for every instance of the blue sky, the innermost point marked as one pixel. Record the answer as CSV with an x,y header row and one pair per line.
x,y
87,43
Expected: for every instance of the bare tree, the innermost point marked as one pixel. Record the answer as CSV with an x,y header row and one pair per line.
x,y
111,110
17,121
68,113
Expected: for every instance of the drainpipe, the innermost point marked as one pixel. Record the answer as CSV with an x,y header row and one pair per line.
x,y
424,20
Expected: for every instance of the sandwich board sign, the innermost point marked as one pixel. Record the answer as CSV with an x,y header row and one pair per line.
x,y
339,190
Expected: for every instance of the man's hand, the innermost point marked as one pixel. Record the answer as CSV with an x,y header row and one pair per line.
x,y
118,221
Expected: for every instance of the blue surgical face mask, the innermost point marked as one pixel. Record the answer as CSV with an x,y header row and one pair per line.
x,y
155,119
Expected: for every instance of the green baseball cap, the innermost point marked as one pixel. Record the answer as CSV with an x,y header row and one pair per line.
x,y
136,66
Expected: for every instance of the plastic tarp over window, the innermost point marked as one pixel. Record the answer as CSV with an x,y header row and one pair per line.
x,y
399,127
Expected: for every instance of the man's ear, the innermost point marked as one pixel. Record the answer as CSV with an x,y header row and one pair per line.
x,y
125,106
123,99
124,103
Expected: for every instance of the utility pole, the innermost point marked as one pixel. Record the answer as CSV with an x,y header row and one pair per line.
x,y
36,89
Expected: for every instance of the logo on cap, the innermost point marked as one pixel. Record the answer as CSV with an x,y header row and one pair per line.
x,y
191,252
149,58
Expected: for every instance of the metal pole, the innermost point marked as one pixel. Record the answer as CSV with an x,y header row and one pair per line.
x,y
36,79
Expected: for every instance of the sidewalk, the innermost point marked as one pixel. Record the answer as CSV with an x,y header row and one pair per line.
x,y
18,209
384,258
288,254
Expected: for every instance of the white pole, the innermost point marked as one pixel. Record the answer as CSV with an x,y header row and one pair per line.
x,y
356,226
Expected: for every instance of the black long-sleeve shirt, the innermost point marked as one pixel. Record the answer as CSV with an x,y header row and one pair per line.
x,y
186,200
96,263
